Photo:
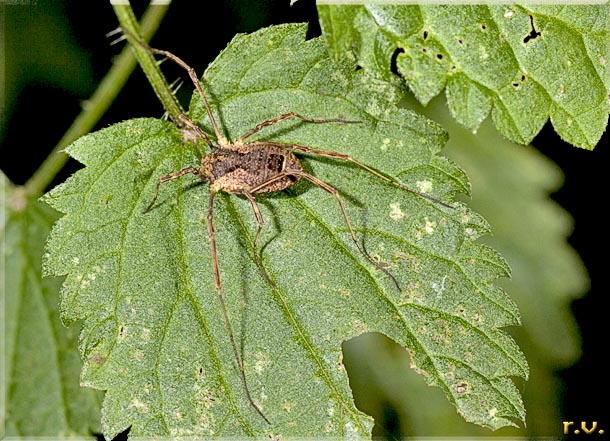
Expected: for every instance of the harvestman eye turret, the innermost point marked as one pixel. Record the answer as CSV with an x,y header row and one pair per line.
x,y
250,168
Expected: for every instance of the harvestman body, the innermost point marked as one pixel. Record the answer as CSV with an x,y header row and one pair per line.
x,y
249,168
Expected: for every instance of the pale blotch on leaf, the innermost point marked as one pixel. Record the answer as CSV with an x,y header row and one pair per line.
x,y
206,399
261,361
359,326
396,213
417,369
430,226
139,405
351,431
461,387
145,334
340,366
424,186
470,233
439,287
97,358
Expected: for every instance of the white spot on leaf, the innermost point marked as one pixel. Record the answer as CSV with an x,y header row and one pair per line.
x,y
396,212
424,186
439,287
430,226
261,361
139,405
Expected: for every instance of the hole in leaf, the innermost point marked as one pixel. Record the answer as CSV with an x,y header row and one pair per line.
x,y
425,34
533,33
393,61
439,56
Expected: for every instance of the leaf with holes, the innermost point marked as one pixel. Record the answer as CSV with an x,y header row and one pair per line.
x,y
523,64
153,334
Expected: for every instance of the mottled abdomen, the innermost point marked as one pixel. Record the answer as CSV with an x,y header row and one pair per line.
x,y
237,172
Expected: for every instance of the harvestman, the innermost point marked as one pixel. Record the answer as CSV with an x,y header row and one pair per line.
x,y
248,168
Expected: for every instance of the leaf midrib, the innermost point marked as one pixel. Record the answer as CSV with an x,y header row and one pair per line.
x,y
295,323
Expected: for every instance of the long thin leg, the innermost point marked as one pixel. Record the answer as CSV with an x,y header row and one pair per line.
x,y
323,185
195,128
194,79
193,74
259,219
347,158
169,177
288,115
223,307
258,215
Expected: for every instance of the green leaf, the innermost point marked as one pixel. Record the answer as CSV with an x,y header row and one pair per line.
x,y
153,334
547,274
522,63
42,363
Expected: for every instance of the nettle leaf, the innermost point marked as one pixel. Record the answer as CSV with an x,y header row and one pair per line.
x,y
547,275
153,333
521,63
42,364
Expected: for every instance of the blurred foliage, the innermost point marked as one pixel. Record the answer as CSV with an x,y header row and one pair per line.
x,y
30,59
44,397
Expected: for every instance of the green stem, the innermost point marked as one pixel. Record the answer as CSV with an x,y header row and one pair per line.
x,y
96,106
147,61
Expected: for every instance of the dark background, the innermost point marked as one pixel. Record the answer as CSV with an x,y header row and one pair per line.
x,y
40,110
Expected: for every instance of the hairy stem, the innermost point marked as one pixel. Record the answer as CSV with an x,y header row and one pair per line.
x,y
96,106
147,61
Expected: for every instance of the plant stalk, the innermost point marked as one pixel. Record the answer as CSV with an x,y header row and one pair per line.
x,y
147,61
95,107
